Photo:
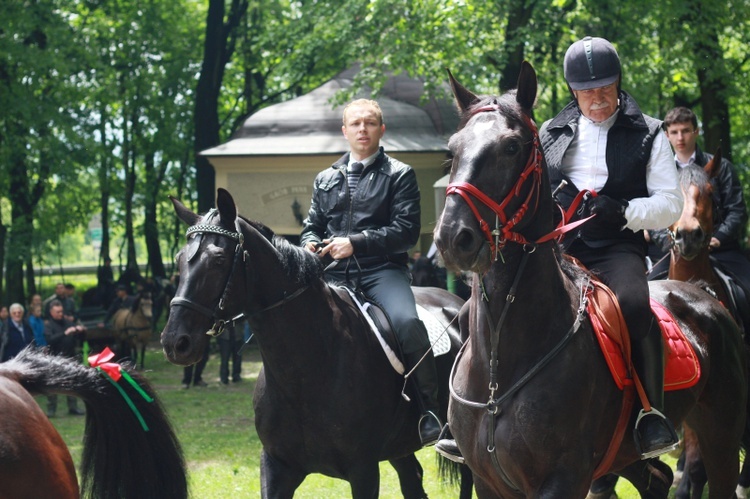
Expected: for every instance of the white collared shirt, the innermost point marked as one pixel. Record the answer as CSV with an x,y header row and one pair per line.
x,y
585,163
365,162
690,161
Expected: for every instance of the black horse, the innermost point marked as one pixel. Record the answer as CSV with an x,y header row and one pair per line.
x,y
327,400
553,406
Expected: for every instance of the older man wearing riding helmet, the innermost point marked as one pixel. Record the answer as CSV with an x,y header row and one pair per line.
x,y
602,142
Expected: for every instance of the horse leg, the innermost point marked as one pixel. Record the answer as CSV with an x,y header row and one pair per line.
x,y
604,487
364,480
721,463
143,355
410,475
467,483
652,478
277,480
694,472
744,483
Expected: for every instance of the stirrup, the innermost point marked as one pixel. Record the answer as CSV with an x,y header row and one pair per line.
x,y
666,423
431,438
446,446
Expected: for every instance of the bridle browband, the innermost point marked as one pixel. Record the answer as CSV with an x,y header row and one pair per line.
x,y
505,225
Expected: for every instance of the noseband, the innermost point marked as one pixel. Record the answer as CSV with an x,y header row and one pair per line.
x,y
504,230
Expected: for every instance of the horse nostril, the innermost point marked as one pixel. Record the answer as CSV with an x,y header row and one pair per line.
x,y
465,241
182,344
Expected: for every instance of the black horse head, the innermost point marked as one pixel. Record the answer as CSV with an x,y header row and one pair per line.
x,y
495,150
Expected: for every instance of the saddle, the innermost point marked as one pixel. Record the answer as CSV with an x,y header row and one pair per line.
x,y
682,369
380,325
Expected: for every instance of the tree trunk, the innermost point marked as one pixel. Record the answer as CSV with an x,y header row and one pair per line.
x,y
218,47
104,186
154,179
714,90
519,15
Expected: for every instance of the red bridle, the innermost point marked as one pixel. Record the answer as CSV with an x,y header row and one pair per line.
x,y
505,225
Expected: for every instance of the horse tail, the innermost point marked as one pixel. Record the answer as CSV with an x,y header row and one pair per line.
x,y
455,474
129,451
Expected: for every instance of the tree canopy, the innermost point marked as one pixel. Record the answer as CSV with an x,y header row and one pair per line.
x,y
106,105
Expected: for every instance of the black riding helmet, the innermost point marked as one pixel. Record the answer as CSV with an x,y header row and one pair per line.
x,y
591,63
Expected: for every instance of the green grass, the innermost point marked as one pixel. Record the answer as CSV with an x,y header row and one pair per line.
x,y
216,428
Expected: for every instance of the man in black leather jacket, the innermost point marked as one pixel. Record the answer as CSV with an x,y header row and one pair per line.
x,y
365,214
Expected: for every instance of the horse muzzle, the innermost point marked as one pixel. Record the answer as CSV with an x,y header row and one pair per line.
x,y
460,241
182,347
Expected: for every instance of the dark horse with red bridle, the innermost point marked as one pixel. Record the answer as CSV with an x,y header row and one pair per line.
x,y
534,407
327,399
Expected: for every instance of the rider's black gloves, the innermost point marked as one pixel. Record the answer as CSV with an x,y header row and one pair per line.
x,y
609,212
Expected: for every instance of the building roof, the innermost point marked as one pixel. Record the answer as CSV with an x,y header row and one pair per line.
x,y
309,125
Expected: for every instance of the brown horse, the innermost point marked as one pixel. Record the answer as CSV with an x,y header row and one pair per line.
x,y
327,400
134,328
534,407
121,458
690,261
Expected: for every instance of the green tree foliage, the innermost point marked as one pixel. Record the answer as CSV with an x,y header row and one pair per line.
x,y
106,105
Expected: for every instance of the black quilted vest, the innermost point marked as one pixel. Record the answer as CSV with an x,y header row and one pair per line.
x,y
629,143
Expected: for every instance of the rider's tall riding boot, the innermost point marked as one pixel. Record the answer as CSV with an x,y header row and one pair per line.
x,y
654,433
426,381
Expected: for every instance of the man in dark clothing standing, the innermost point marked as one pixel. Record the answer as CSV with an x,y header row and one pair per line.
x,y
62,338
365,212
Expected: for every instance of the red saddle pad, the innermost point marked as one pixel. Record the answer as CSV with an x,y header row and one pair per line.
x,y
682,368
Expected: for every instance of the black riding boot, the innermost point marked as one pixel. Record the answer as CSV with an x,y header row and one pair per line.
x,y
426,381
654,433
447,447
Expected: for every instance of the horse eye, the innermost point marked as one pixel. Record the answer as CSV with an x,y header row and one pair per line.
x,y
512,148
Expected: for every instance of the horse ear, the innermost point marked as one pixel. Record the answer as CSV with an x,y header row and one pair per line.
x,y
527,87
227,208
712,167
464,98
183,213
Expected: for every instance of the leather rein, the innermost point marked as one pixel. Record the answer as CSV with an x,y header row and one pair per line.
x,y
217,314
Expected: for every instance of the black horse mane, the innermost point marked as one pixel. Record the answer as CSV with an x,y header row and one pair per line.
x,y
298,263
